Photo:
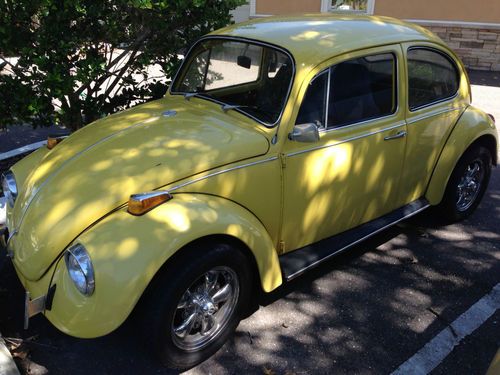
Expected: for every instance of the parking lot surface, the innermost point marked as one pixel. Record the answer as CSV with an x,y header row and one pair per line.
x,y
365,312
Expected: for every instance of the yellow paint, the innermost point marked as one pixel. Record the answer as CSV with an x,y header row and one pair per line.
x,y
226,175
473,124
428,130
346,182
145,243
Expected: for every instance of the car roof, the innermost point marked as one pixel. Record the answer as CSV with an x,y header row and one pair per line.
x,y
313,38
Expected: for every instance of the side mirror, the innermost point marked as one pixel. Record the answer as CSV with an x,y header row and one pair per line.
x,y
304,133
244,62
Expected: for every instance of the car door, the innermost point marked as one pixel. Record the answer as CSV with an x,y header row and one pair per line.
x,y
351,174
437,96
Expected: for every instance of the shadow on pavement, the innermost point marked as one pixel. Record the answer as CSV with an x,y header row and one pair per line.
x,y
365,311
484,78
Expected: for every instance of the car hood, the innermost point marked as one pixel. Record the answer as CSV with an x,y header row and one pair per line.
x,y
98,167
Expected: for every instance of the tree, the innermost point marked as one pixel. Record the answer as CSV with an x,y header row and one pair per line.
x,y
73,61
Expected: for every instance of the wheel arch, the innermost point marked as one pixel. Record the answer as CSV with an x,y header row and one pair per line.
x,y
128,251
473,128
490,143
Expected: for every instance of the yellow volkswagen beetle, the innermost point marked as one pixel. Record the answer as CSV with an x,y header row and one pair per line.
x,y
281,142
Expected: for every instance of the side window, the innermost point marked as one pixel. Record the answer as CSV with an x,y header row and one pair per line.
x,y
312,109
432,77
362,89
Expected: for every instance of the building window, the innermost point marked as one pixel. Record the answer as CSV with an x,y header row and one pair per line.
x,y
348,6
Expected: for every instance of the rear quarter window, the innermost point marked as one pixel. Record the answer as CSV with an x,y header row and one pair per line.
x,y
432,77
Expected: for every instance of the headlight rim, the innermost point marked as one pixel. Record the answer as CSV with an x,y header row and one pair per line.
x,y
9,187
77,251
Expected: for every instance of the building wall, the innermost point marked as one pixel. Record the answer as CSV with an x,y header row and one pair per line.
x,y
478,47
484,11
470,28
242,13
287,6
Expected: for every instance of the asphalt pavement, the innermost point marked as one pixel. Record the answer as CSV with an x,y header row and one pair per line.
x,y
364,312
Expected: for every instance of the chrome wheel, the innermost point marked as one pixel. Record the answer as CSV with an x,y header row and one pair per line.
x,y
470,184
205,308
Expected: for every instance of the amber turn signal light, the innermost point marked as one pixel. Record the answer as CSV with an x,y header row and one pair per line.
x,y
139,204
53,142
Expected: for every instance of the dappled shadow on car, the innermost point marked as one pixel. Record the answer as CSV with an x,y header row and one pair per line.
x,y
367,310
364,311
371,309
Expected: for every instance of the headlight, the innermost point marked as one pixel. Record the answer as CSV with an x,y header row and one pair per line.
x,y
9,187
80,269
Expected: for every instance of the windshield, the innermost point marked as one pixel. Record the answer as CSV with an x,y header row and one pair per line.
x,y
251,78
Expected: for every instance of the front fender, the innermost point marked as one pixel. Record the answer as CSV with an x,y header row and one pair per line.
x,y
127,251
472,125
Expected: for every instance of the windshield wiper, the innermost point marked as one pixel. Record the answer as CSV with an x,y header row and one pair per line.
x,y
228,107
189,95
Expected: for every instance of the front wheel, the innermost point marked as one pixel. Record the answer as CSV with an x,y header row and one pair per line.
x,y
197,303
467,184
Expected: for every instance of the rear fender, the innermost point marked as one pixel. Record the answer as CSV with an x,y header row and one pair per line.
x,y
473,126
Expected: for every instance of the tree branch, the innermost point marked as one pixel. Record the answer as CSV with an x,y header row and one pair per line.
x,y
135,45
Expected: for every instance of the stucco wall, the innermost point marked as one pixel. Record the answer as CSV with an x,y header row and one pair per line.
x,y
443,10
287,6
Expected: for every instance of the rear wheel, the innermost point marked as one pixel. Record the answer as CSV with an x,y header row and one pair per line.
x,y
467,184
197,303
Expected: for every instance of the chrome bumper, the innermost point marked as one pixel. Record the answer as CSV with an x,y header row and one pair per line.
x,y
3,211
4,237
32,307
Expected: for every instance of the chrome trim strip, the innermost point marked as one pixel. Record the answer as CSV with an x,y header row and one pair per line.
x,y
220,172
250,41
440,101
10,252
301,271
78,154
360,123
399,124
429,115
327,106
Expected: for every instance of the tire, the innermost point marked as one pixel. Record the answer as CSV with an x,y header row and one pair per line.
x,y
466,188
193,285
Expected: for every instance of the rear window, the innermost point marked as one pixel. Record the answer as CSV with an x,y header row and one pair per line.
x,y
432,77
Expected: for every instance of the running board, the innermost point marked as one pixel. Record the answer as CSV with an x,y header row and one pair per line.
x,y
298,261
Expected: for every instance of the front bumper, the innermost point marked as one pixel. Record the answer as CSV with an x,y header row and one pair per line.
x,y
3,211
40,289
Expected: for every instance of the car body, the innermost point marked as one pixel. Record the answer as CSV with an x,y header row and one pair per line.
x,y
278,188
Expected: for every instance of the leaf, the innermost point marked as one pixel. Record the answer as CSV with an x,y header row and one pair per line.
x,y
64,54
268,371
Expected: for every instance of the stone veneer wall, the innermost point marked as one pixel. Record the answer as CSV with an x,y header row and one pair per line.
x,y
477,46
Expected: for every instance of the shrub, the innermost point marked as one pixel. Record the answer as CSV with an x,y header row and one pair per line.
x,y
73,61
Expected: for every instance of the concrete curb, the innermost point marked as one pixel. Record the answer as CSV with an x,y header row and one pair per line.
x,y
7,365
22,150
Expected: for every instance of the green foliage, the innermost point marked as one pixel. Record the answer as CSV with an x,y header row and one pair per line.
x,y
63,61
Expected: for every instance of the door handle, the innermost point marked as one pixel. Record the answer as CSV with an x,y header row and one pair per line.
x,y
400,134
